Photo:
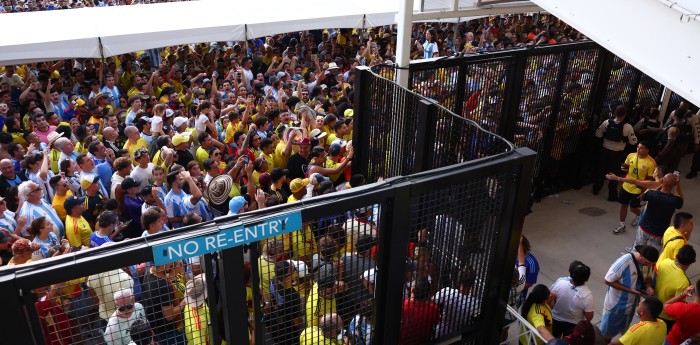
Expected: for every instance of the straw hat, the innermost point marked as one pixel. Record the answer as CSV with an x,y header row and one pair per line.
x,y
218,189
53,136
196,292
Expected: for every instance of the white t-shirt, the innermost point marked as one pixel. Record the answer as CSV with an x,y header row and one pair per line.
x,y
117,331
457,310
143,176
105,285
572,301
200,124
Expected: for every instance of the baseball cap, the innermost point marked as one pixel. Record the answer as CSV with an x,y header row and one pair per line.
x,y
179,121
349,112
298,184
281,74
71,202
129,182
334,149
648,252
180,138
87,180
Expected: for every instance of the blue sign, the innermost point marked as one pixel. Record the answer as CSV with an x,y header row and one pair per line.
x,y
226,238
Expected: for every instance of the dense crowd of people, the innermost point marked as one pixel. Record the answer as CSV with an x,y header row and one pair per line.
x,y
14,6
93,154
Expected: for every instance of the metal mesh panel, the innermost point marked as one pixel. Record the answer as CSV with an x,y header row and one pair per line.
x,y
109,307
459,140
452,241
622,76
573,118
438,84
539,86
392,128
648,96
484,93
318,282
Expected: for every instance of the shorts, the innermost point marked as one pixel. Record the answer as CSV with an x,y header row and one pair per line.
x,y
644,238
627,198
614,322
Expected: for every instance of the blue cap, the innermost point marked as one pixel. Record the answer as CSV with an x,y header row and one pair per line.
x,y
236,204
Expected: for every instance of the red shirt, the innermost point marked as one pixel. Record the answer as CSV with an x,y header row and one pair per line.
x,y
687,325
418,320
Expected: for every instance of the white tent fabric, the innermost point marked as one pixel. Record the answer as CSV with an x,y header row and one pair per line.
x,y
652,37
42,36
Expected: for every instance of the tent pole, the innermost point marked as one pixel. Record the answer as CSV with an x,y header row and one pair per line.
x,y
102,60
403,41
247,52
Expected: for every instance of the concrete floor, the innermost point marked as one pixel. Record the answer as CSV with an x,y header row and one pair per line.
x,y
559,233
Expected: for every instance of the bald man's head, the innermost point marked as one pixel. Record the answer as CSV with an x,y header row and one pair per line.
x,y
669,181
331,325
110,133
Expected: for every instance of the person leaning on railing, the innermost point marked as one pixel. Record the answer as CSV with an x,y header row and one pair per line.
x,y
537,310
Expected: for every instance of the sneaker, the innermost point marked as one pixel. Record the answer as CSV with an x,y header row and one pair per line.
x,y
635,221
620,229
692,175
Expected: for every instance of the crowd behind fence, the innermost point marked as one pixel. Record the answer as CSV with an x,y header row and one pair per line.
x,y
408,260
547,98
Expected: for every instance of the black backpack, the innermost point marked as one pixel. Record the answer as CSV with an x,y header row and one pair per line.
x,y
685,133
614,131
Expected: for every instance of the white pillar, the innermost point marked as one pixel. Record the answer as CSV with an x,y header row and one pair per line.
x,y
403,40
664,104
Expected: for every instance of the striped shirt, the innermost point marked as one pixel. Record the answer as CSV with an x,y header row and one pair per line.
x,y
8,221
45,250
201,208
173,205
624,272
32,211
48,192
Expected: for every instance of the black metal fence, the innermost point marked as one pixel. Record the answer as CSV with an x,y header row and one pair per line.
x,y
375,263
550,99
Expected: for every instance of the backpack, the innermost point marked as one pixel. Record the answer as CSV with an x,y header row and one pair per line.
x,y
614,131
685,133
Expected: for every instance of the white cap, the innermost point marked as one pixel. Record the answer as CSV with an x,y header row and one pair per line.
x,y
179,121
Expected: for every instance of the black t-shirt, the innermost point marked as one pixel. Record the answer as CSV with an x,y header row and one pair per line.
x,y
155,294
660,208
289,309
184,157
297,166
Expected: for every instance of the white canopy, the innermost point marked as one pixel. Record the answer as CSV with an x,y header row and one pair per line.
x,y
53,35
652,37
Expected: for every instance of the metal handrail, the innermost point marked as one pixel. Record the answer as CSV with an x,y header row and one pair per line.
x,y
524,328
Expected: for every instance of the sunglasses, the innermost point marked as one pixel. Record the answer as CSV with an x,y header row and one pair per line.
x,y
216,154
126,307
36,190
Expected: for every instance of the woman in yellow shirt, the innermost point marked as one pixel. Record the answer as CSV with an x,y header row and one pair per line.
x,y
537,309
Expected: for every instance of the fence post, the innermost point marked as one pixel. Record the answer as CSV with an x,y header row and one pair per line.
x,y
233,296
550,130
587,142
361,134
461,87
517,191
15,329
511,103
391,266
425,140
